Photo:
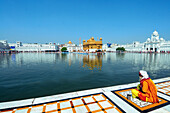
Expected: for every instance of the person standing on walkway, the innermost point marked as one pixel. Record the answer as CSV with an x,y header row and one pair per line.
x,y
146,90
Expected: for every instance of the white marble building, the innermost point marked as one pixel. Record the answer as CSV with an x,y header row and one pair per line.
x,y
71,47
152,44
33,47
112,48
4,45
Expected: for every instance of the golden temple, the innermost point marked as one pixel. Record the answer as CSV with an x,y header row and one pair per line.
x,y
92,44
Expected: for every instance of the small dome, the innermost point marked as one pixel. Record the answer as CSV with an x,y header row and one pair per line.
x,y
92,38
155,33
69,42
161,39
148,39
100,38
83,40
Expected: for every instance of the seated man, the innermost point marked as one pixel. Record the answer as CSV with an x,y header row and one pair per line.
x,y
146,90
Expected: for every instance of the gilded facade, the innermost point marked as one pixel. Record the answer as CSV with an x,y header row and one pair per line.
x,y
92,45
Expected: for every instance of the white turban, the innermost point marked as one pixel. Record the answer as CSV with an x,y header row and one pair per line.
x,y
144,74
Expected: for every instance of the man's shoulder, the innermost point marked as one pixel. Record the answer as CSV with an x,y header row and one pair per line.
x,y
148,81
145,82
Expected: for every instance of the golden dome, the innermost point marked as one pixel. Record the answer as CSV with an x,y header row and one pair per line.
x,y
83,40
69,42
100,38
92,38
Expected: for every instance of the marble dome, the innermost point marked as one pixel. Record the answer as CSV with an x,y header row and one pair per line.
x,y
148,39
155,33
161,39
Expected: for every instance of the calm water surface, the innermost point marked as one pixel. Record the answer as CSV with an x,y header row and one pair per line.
x,y
30,75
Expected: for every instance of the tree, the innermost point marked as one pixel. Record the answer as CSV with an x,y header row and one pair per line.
x,y
120,49
64,49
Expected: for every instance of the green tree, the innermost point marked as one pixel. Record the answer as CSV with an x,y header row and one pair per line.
x,y
120,49
64,49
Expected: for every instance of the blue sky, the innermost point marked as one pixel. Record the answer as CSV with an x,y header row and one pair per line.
x,y
116,21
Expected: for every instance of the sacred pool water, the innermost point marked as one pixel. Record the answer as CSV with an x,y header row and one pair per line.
x,y
30,75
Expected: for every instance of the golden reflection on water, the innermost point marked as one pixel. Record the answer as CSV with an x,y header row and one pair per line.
x,y
92,62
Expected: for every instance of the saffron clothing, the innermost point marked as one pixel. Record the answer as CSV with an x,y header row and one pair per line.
x,y
147,91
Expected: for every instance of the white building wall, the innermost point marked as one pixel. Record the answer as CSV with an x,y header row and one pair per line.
x,y
73,47
34,47
92,50
111,49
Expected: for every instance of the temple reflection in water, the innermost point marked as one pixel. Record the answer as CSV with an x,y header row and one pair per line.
x,y
92,61
148,62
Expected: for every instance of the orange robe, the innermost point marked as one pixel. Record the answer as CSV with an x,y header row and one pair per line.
x,y
149,91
